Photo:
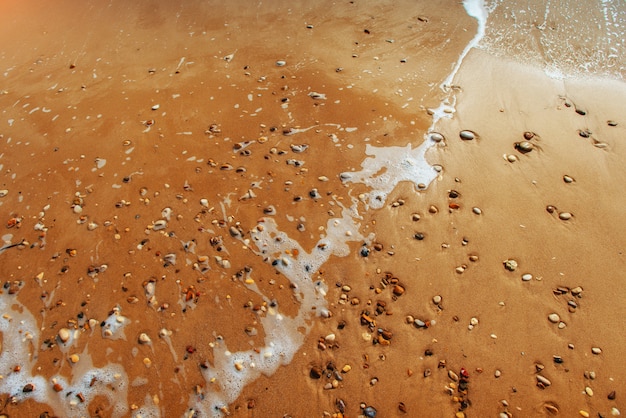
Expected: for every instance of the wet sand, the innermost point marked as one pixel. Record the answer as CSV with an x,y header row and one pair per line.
x,y
144,145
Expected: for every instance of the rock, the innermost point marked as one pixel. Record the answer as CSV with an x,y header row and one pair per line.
x,y
611,123
511,158
588,391
568,179
467,135
74,358
281,63
551,409
144,339
369,412
437,299
529,135
583,413
155,107
315,372
510,265
4,192
527,277
576,290
64,335
596,350
524,146
398,290
29,387
611,395
564,216
477,211
554,318
543,380
453,376
436,137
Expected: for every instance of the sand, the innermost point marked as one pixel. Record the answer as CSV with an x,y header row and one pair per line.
x,y
152,152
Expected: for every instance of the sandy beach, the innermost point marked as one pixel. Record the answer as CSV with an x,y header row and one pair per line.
x,y
312,209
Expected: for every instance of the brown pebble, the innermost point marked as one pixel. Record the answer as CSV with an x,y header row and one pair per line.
x,y
398,290
611,395
529,135
316,372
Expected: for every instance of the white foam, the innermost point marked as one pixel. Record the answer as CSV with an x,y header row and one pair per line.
x,y
284,335
20,340
388,166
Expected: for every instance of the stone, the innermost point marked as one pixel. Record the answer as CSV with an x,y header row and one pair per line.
x,y
436,137
467,135
596,350
565,216
64,335
437,299
477,211
554,318
568,179
315,372
524,146
527,277
144,338
510,265
398,290
543,380
588,391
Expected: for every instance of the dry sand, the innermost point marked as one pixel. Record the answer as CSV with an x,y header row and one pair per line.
x,y
113,113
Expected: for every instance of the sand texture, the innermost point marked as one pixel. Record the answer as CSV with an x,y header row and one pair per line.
x,y
311,209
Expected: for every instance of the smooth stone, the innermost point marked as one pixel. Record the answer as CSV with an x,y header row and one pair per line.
x,y
589,391
398,290
467,135
596,350
477,211
453,376
369,412
568,179
281,63
529,135
524,146
544,381
155,107
64,335
474,321
554,318
511,158
527,277
436,136
564,216
437,299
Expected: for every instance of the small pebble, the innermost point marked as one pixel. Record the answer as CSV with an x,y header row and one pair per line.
x,y
564,216
554,318
543,380
477,211
527,277
4,192
467,135
588,391
64,335
437,299
596,350
510,265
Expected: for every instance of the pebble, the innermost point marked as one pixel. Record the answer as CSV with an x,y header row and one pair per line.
x,y
524,146
64,335
4,192
568,179
554,318
437,299
589,391
529,135
611,395
144,339
544,381
436,137
583,413
467,135
510,265
155,107
497,374
511,158
474,321
527,277
74,358
369,412
453,376
596,350
477,211
281,63
564,216
398,290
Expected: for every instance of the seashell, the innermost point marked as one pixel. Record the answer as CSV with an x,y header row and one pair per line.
x,y
158,225
467,135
